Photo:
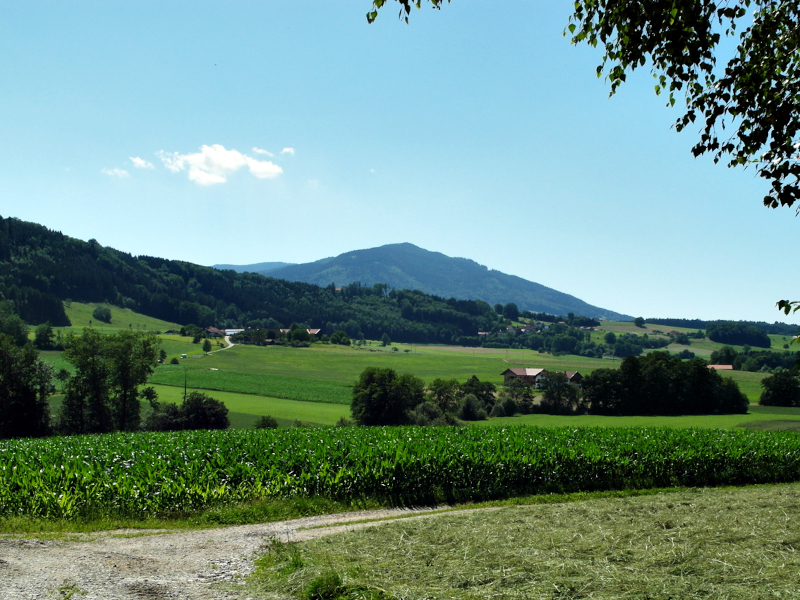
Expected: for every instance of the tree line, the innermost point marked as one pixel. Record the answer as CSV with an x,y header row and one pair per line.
x,y
40,268
103,392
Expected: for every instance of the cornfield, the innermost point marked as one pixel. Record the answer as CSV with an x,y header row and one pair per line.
x,y
165,473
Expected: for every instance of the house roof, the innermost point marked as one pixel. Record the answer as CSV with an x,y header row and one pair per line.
x,y
571,374
721,367
313,331
215,330
524,372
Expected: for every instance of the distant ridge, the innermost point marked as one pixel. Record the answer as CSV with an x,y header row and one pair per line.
x,y
406,266
264,267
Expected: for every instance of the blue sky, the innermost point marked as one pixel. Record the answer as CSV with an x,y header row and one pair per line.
x,y
241,132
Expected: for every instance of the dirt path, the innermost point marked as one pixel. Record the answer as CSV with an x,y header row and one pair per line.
x,y
155,565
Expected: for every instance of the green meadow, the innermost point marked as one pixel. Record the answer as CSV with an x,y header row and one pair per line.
x,y
314,385
80,315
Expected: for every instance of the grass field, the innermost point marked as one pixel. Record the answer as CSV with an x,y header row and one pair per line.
x,y
699,543
80,315
246,408
323,374
277,386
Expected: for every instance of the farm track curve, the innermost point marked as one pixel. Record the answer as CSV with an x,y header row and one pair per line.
x,y
160,565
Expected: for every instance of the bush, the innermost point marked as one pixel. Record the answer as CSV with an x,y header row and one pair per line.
x,y
198,411
266,422
204,412
426,413
102,313
340,337
497,411
472,409
510,407
174,361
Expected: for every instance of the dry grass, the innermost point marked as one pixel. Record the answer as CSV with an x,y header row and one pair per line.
x,y
706,543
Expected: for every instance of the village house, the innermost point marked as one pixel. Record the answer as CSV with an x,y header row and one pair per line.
x,y
214,332
535,377
530,376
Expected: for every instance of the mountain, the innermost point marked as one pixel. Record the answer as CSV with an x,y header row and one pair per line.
x,y
406,266
262,268
41,268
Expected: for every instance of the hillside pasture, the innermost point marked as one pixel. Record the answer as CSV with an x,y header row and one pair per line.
x,y
80,315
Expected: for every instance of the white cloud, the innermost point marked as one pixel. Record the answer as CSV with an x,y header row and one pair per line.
x,y
260,151
288,151
141,163
121,173
213,164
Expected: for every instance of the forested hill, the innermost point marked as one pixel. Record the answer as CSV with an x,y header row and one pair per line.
x,y
406,266
40,268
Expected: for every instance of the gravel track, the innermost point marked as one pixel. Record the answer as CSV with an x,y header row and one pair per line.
x,y
156,564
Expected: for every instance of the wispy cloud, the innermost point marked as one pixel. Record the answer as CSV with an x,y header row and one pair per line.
x,y
288,151
121,173
261,151
141,163
213,164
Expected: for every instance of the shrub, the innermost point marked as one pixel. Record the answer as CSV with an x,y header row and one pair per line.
x,y
510,407
102,313
266,422
498,411
472,409
174,361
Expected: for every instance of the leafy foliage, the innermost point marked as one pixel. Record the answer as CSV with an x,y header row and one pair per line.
x,y
102,313
25,384
657,384
382,397
162,473
730,332
781,389
104,394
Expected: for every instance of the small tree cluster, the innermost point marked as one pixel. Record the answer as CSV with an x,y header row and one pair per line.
x,y
382,397
780,389
26,383
657,384
198,411
105,393
340,337
102,313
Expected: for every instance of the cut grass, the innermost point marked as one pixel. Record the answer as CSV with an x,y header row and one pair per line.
x,y
721,543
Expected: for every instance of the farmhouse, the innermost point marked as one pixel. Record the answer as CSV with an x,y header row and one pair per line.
x,y
214,332
530,376
233,331
535,377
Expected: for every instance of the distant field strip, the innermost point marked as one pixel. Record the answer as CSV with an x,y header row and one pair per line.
x,y
161,473
276,386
